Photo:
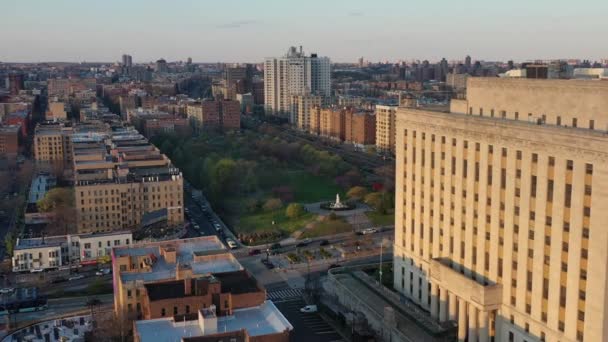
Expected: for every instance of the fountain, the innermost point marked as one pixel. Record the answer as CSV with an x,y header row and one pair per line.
x,y
337,205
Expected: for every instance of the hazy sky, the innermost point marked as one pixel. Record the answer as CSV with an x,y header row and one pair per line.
x,y
249,30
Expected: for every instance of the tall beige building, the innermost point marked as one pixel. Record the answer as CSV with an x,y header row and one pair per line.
x,y
501,210
385,128
52,145
123,182
300,109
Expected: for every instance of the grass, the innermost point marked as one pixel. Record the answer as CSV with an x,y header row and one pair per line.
x,y
263,222
381,219
327,227
309,188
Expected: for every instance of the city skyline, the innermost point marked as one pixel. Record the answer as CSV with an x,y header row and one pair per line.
x,y
70,31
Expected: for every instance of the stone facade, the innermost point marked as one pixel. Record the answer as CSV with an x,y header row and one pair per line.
x,y
499,221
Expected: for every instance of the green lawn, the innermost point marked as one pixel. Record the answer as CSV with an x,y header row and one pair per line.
x,y
263,222
308,188
328,227
380,219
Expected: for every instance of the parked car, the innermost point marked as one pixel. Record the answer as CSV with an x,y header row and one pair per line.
x,y
254,251
58,280
275,246
197,227
309,309
334,266
232,244
7,290
369,231
76,277
36,270
324,243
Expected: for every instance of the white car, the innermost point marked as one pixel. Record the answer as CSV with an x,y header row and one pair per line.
x,y
369,231
36,270
197,227
76,277
103,271
7,290
309,309
217,226
232,244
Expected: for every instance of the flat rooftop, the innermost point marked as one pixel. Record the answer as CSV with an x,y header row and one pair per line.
x,y
258,320
50,241
218,260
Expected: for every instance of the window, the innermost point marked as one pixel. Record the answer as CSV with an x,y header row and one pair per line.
x,y
128,293
187,309
162,312
87,245
175,310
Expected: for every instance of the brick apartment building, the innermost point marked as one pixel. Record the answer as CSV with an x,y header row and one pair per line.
x,y
343,124
9,140
194,290
224,114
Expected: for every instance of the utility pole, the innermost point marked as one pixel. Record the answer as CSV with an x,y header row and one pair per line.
x,y
380,269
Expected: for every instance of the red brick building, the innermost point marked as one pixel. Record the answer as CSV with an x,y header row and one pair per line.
x,y
9,140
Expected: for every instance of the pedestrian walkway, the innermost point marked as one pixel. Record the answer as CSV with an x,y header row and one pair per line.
x,y
286,294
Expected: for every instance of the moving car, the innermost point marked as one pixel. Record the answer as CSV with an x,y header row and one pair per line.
x,y
76,277
254,251
232,244
309,309
334,266
369,231
103,271
7,290
324,243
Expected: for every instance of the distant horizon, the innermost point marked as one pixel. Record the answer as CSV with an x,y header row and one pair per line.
x,y
72,31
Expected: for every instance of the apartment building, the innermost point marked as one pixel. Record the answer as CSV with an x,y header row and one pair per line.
x,y
359,128
9,140
294,74
152,122
157,262
385,128
500,210
301,106
52,143
120,178
38,254
343,124
192,290
56,111
224,114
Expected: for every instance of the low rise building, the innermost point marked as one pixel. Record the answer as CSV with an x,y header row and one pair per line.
x,y
301,106
38,254
154,262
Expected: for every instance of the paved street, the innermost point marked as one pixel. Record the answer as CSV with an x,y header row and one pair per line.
x,y
307,326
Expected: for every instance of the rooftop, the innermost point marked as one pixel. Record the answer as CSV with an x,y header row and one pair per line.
x,y
49,241
258,320
215,259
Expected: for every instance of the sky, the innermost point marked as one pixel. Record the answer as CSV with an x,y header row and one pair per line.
x,y
344,30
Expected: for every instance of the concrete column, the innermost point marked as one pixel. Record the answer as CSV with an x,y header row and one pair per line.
x,y
472,323
462,320
443,305
484,327
452,304
434,299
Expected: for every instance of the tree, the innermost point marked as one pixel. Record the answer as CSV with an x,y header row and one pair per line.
x,y
294,210
56,198
273,204
9,242
374,200
356,193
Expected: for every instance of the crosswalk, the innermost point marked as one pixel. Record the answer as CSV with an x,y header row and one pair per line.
x,y
285,294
